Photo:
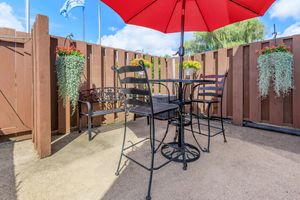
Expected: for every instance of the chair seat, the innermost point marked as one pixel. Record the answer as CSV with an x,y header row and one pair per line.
x,y
185,102
104,112
157,109
206,101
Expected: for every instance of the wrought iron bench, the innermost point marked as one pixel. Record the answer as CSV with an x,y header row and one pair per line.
x,y
109,100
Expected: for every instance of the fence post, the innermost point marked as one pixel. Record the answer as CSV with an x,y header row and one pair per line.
x,y
41,86
155,70
163,73
254,100
237,82
296,92
109,79
64,111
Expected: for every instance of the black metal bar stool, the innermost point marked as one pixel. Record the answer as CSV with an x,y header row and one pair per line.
x,y
214,91
138,100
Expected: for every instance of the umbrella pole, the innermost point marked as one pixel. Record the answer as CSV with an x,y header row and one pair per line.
x,y
181,48
180,88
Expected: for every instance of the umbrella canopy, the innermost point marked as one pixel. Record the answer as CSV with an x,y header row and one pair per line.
x,y
199,15
170,16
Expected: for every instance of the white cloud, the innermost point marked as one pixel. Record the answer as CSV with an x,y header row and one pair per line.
x,y
291,30
112,29
139,38
284,9
73,17
8,19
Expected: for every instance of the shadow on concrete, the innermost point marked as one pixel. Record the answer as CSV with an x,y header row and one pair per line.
x,y
8,185
224,166
59,141
136,177
275,140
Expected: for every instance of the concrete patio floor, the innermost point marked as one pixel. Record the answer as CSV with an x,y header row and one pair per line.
x,y
253,165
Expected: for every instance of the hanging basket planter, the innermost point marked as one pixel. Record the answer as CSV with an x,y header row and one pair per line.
x,y
275,67
69,70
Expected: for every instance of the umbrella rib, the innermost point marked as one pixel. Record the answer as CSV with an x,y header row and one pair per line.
x,y
239,4
202,15
171,17
140,11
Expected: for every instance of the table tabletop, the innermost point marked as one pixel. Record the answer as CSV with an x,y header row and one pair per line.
x,y
181,81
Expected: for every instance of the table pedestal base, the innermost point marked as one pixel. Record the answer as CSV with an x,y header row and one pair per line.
x,y
172,150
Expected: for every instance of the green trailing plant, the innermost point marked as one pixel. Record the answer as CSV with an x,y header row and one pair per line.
x,y
69,69
275,65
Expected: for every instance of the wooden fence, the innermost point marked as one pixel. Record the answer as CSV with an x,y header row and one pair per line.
x,y
29,100
15,82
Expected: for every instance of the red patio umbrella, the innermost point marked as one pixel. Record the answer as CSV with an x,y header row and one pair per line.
x,y
170,16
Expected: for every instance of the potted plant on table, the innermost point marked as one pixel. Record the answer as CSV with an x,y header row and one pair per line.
x,y
190,67
69,69
136,62
275,64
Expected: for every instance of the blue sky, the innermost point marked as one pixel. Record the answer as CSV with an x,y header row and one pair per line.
x,y
284,13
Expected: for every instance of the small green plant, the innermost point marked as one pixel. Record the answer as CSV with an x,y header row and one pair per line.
x,y
191,64
69,69
275,64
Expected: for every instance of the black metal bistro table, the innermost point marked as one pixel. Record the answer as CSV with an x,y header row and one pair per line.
x,y
171,150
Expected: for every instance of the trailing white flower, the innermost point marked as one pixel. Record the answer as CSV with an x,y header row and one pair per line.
x,y
283,73
69,70
278,68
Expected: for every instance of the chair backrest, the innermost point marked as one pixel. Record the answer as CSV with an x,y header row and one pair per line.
x,y
214,90
101,95
136,89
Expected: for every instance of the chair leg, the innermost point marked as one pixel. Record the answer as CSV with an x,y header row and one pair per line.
x,y
123,144
176,135
222,123
164,137
166,132
191,117
148,121
198,119
79,123
208,125
192,130
90,127
148,197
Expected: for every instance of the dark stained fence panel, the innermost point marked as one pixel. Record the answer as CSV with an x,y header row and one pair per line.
x,y
296,91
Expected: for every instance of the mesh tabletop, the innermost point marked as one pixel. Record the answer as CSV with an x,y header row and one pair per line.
x,y
180,81
157,109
